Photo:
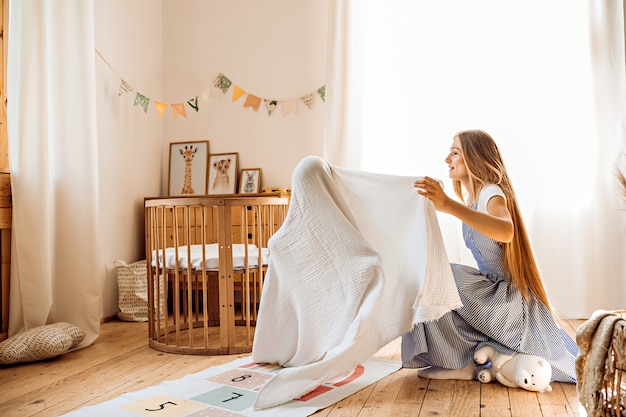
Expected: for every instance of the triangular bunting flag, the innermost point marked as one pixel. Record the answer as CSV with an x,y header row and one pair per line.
x,y
270,105
124,88
322,92
252,101
290,106
143,101
207,94
308,100
160,107
217,82
179,110
222,83
193,103
237,93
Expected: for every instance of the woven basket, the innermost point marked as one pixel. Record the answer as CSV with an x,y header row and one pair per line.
x,y
615,371
601,364
132,289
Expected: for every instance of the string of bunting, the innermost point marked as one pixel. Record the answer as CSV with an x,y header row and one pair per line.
x,y
223,84
253,101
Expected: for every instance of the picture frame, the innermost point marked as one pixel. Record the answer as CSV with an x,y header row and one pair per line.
x,y
188,168
250,181
223,168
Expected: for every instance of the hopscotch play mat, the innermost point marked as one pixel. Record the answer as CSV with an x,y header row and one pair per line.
x,y
230,390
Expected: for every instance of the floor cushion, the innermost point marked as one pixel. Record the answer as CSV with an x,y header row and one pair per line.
x,y
40,343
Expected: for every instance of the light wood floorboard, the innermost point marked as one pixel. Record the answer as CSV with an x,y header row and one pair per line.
x,y
121,361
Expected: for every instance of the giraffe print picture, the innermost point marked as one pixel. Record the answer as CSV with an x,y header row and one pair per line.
x,y
188,168
223,169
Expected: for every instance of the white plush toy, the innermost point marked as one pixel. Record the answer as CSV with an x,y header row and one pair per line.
x,y
519,370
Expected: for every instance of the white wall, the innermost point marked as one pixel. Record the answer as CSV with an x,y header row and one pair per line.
x,y
272,49
171,51
128,35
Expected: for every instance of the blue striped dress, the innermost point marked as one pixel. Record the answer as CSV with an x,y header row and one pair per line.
x,y
493,313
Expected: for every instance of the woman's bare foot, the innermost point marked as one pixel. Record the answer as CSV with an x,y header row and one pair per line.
x,y
467,373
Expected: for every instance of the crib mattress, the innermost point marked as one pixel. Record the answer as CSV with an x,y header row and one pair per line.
x,y
191,256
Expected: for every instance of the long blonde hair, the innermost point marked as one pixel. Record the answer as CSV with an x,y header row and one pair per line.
x,y
485,166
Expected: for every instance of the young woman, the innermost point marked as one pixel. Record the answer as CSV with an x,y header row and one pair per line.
x,y
504,302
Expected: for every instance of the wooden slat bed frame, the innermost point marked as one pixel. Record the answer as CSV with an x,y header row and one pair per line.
x,y
200,311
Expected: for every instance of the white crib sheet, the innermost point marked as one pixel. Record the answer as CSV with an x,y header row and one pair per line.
x,y
211,256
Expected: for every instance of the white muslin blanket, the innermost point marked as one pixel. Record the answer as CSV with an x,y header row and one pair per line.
x,y
359,259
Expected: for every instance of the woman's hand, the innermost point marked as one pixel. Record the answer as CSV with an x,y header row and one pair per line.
x,y
496,223
432,189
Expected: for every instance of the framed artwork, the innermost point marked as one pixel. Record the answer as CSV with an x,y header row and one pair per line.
x,y
250,181
188,168
223,169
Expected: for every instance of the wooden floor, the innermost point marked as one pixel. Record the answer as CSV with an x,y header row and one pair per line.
x,y
121,361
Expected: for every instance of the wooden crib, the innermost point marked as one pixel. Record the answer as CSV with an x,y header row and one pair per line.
x,y
206,261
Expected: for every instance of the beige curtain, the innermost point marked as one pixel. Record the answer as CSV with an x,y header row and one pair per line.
x,y
404,76
342,145
53,157
606,247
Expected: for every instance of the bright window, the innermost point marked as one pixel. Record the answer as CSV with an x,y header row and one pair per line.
x,y
519,70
